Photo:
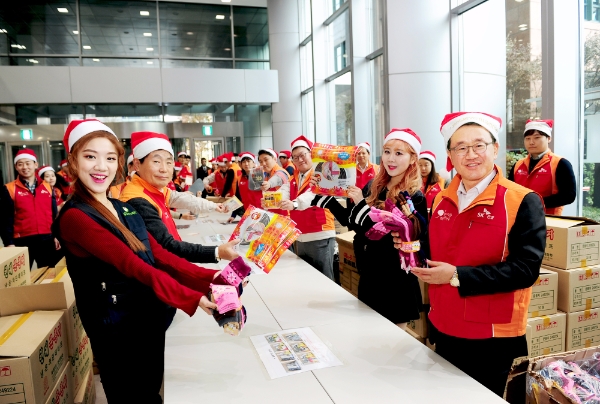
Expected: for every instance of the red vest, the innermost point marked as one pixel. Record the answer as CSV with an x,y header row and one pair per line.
x,y
220,179
476,236
249,197
140,188
432,191
363,179
69,181
542,179
33,214
313,219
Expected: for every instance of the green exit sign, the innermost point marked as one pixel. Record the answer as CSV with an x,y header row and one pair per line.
x,y
26,134
207,130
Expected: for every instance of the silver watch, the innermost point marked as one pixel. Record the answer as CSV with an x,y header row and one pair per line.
x,y
295,204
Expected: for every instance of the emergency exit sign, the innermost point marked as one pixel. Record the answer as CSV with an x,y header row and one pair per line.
x,y
207,130
26,134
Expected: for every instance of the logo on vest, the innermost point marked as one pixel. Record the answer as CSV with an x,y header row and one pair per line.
x,y
542,170
486,213
126,212
44,191
443,215
21,193
521,171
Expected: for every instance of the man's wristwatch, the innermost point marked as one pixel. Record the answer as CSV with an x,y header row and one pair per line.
x,y
295,205
217,254
454,280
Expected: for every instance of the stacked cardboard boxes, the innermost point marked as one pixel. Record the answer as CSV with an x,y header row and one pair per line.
x,y
349,276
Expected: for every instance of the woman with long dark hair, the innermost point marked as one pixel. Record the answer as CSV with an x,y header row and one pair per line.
x,y
433,183
123,279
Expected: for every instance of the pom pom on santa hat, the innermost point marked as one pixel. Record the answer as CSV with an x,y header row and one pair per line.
x,y
285,153
302,141
429,155
78,128
455,120
366,146
406,135
25,154
541,125
143,143
178,166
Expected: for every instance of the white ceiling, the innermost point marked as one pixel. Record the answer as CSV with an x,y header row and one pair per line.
x,y
249,3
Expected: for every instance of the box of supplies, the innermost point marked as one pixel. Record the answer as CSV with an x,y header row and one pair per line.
x,y
14,262
544,294
33,357
424,291
415,335
583,329
355,279
547,334
578,289
571,242
419,326
87,391
80,365
346,250
62,393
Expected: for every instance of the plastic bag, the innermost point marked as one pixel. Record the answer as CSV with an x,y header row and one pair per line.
x,y
334,169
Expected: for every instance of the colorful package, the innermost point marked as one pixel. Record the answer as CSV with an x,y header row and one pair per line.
x,y
271,199
257,175
334,168
268,248
251,225
232,203
225,297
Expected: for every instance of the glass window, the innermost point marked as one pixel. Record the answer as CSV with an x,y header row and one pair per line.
x,y
3,38
200,113
3,163
251,33
118,28
35,61
335,4
305,19
200,64
47,114
124,112
378,112
41,26
591,10
523,73
195,30
306,65
57,153
376,25
338,37
308,115
340,98
108,62
252,65
591,139
4,62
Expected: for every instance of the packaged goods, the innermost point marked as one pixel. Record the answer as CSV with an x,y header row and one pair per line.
x,y
14,262
578,289
544,294
546,334
571,242
257,175
251,225
87,391
419,326
583,329
271,199
225,291
334,168
232,204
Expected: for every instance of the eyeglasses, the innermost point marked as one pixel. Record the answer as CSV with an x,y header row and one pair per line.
x,y
478,148
300,156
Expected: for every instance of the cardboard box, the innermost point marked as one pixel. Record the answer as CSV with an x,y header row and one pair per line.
x,y
87,392
547,334
544,294
346,250
415,335
33,356
419,326
80,358
355,279
571,242
578,289
528,331
37,274
583,329
60,265
14,262
424,291
63,391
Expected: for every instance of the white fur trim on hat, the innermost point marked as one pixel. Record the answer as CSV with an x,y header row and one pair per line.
x,y
149,145
428,156
540,126
130,159
272,153
244,155
283,155
86,127
365,146
25,156
406,137
43,170
489,123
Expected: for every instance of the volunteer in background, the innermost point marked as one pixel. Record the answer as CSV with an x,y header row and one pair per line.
x,y
175,183
365,170
248,192
28,208
115,190
48,175
185,175
235,166
123,279
214,168
203,171
549,175
432,184
487,237
284,161
65,174
275,177
316,244
223,181
384,285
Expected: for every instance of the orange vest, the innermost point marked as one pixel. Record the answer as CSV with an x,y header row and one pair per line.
x,y
542,179
313,219
115,190
363,178
140,188
33,214
476,236
432,191
220,178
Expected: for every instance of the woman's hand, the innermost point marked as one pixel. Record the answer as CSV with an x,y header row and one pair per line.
x,y
355,193
221,208
286,205
206,305
265,186
188,216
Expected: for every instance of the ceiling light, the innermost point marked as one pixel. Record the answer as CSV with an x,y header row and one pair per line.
x,y
147,33
522,25
220,17
87,47
33,61
518,1
3,31
76,32
150,62
149,49
96,60
523,29
225,1
144,12
187,48
62,10
190,33
227,49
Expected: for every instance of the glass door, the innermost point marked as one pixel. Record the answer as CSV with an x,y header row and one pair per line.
x,y
207,149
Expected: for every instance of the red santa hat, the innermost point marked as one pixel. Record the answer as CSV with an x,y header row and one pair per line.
x,y
541,125
78,128
302,141
429,155
183,153
285,153
455,120
142,143
272,153
221,160
43,169
25,154
130,159
405,135
178,166
229,156
249,155
366,146
64,163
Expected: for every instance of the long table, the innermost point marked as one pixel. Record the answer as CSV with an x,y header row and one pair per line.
x,y
381,362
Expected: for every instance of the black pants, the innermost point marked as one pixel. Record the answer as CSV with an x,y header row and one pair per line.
x,y
131,361
41,249
486,360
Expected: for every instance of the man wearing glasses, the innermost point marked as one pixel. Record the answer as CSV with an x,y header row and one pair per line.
x,y
487,237
316,244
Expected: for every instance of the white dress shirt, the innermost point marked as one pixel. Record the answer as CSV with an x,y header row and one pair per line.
x,y
466,197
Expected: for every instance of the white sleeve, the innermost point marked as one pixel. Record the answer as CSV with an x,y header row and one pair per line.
x,y
185,200
304,200
285,192
207,180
